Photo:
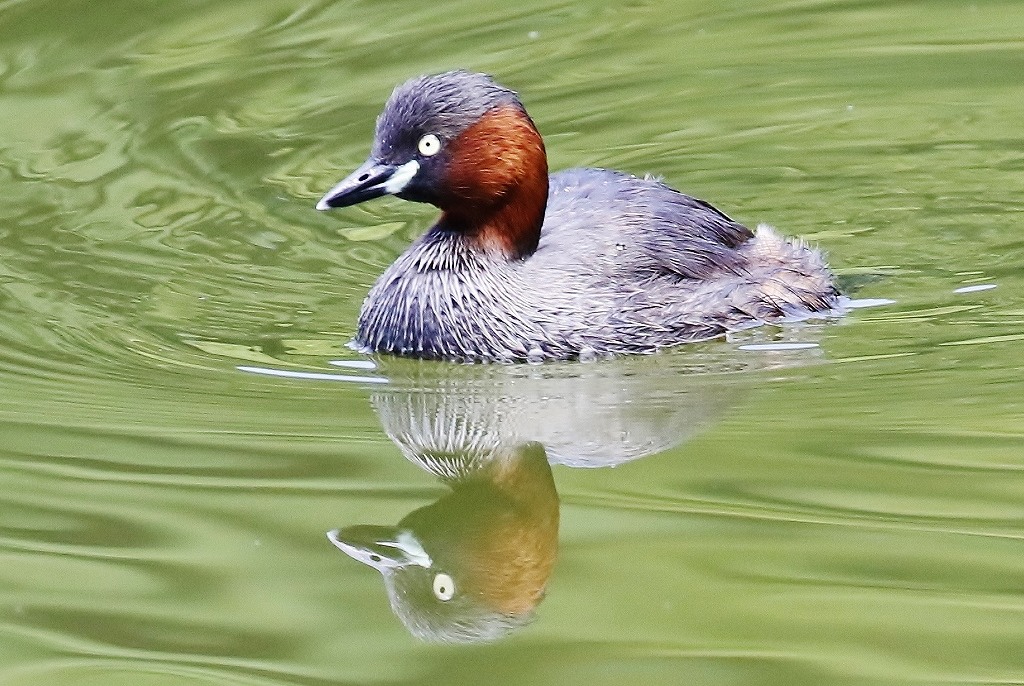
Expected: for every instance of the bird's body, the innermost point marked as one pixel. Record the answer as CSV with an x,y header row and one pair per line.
x,y
526,266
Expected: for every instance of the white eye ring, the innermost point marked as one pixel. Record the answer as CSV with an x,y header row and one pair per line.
x,y
444,587
429,145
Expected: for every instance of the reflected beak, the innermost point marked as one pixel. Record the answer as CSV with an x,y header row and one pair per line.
x,y
371,180
382,547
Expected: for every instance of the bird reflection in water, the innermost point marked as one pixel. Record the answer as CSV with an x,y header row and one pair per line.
x,y
473,566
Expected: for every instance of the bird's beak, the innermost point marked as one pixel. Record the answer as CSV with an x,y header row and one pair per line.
x,y
382,547
371,180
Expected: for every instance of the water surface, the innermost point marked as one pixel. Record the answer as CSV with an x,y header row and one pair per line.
x,y
848,511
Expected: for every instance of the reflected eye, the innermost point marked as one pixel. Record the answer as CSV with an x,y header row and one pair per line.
x,y
429,145
444,587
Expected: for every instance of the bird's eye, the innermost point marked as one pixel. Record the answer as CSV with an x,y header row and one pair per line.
x,y
444,587
429,145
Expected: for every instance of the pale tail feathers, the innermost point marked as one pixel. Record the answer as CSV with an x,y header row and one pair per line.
x,y
794,279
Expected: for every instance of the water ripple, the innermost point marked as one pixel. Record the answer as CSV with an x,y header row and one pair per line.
x,y
163,511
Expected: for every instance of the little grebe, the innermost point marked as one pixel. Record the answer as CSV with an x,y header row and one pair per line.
x,y
584,263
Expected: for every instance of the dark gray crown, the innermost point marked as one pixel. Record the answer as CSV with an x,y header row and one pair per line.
x,y
441,104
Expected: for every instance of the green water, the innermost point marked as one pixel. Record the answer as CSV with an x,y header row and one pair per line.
x,y
852,512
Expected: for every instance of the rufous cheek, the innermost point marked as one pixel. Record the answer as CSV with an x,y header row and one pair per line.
x,y
492,155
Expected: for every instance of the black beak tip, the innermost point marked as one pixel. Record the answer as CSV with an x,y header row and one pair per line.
x,y
367,182
329,202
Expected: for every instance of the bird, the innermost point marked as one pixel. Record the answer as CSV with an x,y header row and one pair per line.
x,y
581,264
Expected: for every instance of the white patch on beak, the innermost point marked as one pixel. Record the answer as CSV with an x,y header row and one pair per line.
x,y
401,178
408,544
